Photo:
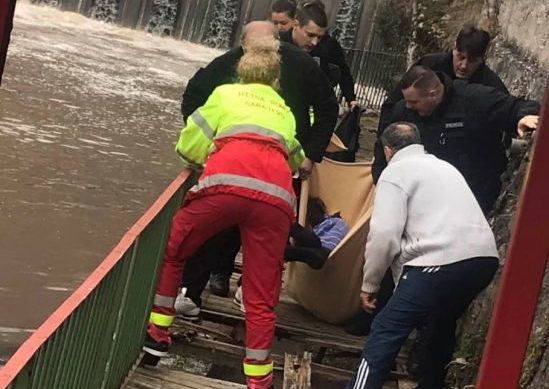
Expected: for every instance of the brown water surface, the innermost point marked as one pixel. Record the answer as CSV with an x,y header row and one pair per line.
x,y
89,114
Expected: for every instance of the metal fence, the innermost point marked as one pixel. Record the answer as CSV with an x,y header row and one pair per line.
x,y
375,73
93,339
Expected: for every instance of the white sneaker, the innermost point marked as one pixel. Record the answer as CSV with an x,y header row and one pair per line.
x,y
238,299
185,307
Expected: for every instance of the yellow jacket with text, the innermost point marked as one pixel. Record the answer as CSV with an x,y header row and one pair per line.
x,y
245,136
235,110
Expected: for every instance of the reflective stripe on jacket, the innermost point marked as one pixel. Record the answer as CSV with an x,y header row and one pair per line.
x,y
246,134
237,110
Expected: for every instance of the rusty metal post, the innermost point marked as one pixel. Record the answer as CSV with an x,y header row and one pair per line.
x,y
7,9
523,272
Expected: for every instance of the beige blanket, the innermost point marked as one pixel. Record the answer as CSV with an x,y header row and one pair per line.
x,y
332,293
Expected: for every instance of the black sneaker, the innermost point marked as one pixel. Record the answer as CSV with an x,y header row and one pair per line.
x,y
219,284
154,348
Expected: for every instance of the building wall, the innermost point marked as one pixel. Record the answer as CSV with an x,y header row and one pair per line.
x,y
526,24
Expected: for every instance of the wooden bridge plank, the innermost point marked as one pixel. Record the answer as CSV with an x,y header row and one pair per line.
x,y
292,319
160,378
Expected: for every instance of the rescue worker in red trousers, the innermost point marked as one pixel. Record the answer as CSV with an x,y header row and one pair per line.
x,y
247,182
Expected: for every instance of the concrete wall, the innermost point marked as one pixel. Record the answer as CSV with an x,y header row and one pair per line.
x,y
526,23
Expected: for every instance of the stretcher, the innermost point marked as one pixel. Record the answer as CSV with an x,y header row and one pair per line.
x,y
332,293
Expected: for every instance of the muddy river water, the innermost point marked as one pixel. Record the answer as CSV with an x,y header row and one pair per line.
x,y
89,115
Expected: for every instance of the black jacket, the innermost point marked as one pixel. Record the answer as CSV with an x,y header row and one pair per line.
x,y
302,85
466,130
442,62
329,52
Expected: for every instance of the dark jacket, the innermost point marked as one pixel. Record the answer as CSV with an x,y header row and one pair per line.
x,y
329,52
302,85
466,130
442,62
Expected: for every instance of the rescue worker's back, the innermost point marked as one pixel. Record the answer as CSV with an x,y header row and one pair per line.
x,y
257,148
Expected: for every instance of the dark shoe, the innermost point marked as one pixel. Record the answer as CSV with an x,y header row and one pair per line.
x,y
219,284
152,347
157,341
149,360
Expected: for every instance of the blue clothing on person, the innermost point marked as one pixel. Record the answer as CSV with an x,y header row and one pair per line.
x,y
331,231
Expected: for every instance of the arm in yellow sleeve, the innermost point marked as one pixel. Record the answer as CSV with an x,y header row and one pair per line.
x,y
196,137
296,155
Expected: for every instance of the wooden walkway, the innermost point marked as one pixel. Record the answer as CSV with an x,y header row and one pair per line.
x,y
219,338
293,321
144,378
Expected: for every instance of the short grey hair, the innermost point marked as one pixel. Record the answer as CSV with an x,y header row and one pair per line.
x,y
400,135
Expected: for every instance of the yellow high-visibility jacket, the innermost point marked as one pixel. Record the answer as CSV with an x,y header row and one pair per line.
x,y
236,109
246,134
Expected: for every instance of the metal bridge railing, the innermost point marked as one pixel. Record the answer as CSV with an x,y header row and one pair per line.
x,y
375,73
93,339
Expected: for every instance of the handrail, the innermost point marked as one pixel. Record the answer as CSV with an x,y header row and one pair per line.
x,y
27,368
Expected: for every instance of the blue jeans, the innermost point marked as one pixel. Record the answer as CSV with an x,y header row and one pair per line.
x,y
439,295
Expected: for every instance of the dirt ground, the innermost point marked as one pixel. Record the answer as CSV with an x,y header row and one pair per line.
x,y
368,125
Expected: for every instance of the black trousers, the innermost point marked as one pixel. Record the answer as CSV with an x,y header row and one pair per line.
x,y
216,255
308,248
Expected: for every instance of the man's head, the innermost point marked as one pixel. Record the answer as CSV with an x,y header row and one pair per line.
x,y
469,51
422,90
398,136
283,14
258,29
312,24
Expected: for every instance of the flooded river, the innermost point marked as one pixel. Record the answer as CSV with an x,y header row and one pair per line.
x,y
89,115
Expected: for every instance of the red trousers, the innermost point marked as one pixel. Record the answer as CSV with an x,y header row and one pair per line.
x,y
264,231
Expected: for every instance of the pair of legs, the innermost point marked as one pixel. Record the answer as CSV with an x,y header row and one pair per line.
x,y
217,256
308,248
439,295
264,230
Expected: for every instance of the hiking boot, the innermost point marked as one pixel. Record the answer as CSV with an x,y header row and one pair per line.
x,y
185,307
219,284
238,300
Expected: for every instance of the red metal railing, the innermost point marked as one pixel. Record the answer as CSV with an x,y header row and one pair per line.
x,y
523,272
94,337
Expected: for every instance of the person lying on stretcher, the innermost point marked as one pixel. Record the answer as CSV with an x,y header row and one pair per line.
x,y
313,244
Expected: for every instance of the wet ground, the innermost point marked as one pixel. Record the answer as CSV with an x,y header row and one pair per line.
x,y
89,114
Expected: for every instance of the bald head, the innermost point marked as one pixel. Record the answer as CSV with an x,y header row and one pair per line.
x,y
400,135
258,29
